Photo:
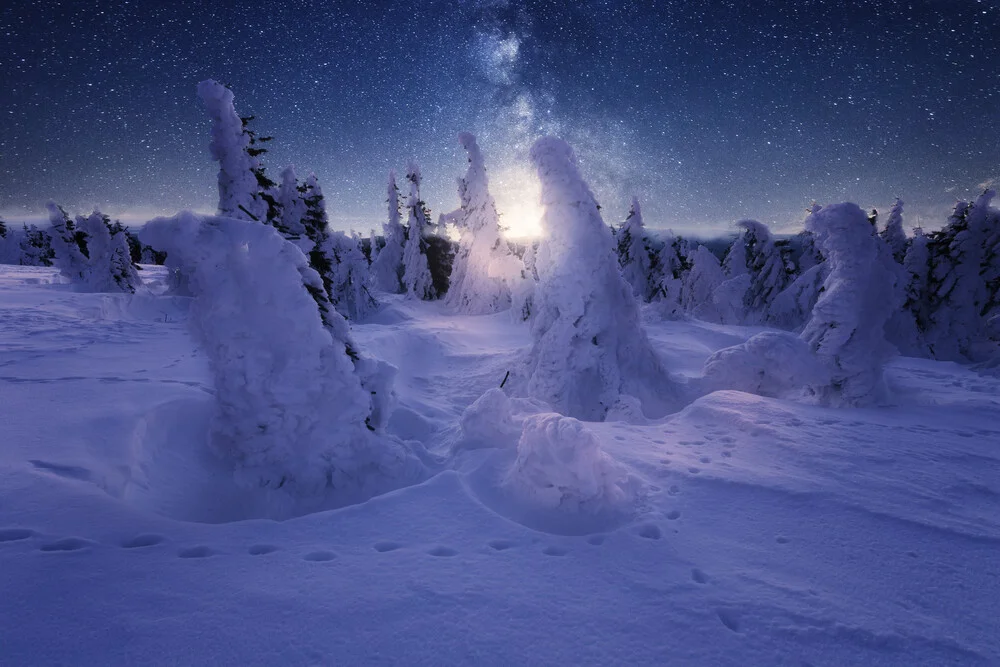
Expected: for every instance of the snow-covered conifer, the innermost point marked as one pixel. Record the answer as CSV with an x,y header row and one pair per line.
x,y
347,281
847,327
755,256
387,268
239,195
416,272
590,351
669,276
700,283
109,266
296,405
35,247
69,245
291,209
893,234
373,247
476,284
633,253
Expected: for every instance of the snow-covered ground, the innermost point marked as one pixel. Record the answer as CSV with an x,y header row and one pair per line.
x,y
751,531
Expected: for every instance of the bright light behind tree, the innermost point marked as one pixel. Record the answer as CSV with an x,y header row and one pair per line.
x,y
517,193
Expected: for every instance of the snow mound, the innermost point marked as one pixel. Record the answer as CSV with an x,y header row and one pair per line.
x,y
772,363
489,421
560,465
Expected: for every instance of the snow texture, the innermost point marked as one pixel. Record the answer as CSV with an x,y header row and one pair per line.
x,y
477,284
589,346
847,327
292,410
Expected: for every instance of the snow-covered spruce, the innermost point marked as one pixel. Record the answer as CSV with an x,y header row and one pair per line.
x,y
668,276
292,209
560,465
238,188
957,293
846,328
109,265
417,280
477,286
387,268
69,246
791,307
755,272
589,346
296,406
700,284
347,279
633,253
893,234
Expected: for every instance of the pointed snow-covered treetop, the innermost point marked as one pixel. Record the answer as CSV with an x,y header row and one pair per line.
x,y
238,188
475,288
700,283
291,207
416,271
590,352
847,327
893,234
387,269
633,253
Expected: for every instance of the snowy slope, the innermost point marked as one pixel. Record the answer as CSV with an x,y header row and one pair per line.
x,y
763,532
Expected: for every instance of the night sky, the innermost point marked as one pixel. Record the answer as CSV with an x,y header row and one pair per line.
x,y
709,112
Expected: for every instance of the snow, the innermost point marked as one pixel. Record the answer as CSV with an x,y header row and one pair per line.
x,y
751,530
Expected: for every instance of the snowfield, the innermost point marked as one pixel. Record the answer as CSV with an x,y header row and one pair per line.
x,y
740,530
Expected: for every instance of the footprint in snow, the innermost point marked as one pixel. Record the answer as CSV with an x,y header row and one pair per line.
x,y
698,576
729,618
781,539
145,540
67,544
261,549
596,540
443,552
673,515
650,531
199,551
500,545
15,534
385,547
555,551
320,556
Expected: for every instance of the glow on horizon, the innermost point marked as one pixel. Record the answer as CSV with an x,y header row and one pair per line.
x,y
518,195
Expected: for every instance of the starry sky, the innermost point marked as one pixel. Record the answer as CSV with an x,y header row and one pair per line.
x,y
708,111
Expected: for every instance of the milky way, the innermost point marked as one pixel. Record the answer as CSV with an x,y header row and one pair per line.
x,y
709,112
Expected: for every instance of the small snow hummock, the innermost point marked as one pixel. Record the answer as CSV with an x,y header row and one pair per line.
x,y
296,406
847,327
772,363
589,346
560,465
489,421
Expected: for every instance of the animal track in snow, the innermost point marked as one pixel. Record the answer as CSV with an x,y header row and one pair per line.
x,y
384,547
729,618
673,515
596,540
500,545
319,556
694,471
15,534
145,540
780,539
443,552
261,549
67,544
674,490
705,459
555,551
199,551
650,531
698,576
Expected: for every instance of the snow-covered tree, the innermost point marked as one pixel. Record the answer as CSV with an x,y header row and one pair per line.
x,y
35,247
387,268
296,405
416,273
109,266
668,276
791,307
633,253
957,294
291,209
239,195
755,272
700,284
347,281
69,245
847,327
476,283
893,234
373,247
590,352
